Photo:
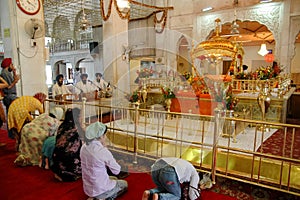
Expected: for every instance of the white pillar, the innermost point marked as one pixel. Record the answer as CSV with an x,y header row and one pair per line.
x,y
115,35
29,61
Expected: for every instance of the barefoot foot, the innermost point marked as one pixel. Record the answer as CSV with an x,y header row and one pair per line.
x,y
146,195
155,196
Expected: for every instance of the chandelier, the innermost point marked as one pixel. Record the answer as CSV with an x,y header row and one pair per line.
x,y
84,23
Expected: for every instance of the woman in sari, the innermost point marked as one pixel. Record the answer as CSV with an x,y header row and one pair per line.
x,y
33,136
66,156
20,112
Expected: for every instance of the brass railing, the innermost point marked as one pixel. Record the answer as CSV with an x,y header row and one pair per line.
x,y
215,144
279,85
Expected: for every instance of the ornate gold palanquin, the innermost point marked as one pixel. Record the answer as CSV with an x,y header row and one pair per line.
x,y
276,113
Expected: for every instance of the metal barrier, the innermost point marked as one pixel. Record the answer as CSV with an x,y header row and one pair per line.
x,y
215,144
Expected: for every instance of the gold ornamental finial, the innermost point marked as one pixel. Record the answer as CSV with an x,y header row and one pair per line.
x,y
218,26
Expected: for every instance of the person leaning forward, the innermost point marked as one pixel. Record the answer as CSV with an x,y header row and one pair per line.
x,y
168,174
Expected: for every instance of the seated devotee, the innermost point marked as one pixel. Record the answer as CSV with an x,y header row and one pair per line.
x,y
84,86
46,160
276,68
168,174
100,83
96,160
21,111
59,89
245,69
66,159
34,134
3,84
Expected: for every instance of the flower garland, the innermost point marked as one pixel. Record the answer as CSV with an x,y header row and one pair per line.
x,y
163,19
126,15
105,17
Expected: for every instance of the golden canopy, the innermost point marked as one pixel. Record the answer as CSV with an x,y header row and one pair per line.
x,y
216,47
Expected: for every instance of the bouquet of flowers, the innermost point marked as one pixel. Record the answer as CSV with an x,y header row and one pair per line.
x,y
231,101
264,73
242,75
145,73
134,97
168,93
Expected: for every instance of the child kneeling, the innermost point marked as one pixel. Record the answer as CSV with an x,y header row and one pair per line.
x,y
95,159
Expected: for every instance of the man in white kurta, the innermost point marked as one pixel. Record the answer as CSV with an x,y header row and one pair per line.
x,y
100,83
84,86
59,88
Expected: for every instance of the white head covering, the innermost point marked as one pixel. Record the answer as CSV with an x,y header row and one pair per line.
x,y
58,112
95,130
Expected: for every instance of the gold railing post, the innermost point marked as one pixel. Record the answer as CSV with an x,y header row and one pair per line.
x,y
217,113
83,111
135,140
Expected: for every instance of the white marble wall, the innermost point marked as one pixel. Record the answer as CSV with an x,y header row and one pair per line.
x,y
30,61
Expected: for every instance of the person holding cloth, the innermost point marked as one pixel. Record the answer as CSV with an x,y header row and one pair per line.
x,y
96,159
168,174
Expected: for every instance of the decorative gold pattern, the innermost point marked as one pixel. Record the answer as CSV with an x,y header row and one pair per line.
x,y
215,47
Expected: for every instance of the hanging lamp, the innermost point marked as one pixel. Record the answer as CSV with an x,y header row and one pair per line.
x,y
263,50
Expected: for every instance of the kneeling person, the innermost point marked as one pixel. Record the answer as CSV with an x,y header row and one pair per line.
x,y
168,174
95,159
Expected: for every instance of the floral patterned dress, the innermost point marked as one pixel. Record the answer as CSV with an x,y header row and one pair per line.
x,y
66,155
33,135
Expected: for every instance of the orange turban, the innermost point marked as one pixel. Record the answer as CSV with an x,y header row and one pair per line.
x,y
6,62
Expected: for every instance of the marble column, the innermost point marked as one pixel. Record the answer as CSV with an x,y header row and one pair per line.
x,y
28,59
115,36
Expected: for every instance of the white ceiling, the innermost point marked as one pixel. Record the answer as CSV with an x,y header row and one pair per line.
x,y
252,33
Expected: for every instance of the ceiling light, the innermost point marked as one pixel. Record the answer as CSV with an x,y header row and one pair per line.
x,y
123,5
235,28
263,50
207,9
265,1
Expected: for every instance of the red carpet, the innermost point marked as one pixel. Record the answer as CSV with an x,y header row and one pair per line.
x,y
32,182
274,144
